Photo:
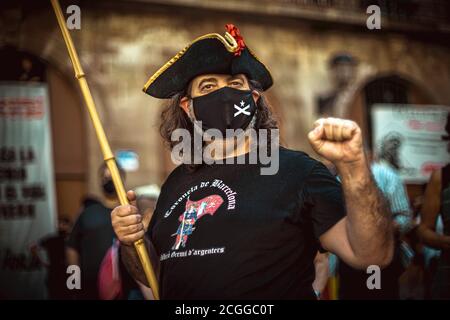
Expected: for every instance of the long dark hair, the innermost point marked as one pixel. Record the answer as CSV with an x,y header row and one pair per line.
x,y
173,117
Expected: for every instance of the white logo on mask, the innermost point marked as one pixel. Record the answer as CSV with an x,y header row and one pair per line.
x,y
242,109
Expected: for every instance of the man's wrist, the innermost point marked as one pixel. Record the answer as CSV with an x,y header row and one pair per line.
x,y
126,245
354,170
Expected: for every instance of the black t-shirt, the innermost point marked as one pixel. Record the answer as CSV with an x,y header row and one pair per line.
x,y
227,232
92,236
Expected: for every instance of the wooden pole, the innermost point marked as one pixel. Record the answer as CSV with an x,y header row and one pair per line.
x,y
108,156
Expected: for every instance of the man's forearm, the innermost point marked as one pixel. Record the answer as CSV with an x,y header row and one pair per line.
x,y
321,268
131,261
369,223
432,239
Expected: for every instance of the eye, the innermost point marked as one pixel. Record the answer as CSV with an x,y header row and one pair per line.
x,y
236,83
207,87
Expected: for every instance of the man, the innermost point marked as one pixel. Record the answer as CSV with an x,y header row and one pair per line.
x,y
436,202
342,70
347,76
92,236
253,236
390,150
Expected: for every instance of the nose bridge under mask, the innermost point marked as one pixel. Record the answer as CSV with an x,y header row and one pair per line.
x,y
228,115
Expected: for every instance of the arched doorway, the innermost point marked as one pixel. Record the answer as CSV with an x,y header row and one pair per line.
x,y
390,89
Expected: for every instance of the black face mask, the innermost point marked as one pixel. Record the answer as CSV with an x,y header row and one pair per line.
x,y
62,233
226,108
108,187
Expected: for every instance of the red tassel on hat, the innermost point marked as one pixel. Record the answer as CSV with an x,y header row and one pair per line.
x,y
236,34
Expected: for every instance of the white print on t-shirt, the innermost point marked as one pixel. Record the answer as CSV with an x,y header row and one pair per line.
x,y
191,253
215,183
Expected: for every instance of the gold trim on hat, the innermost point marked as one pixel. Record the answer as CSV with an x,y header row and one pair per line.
x,y
228,41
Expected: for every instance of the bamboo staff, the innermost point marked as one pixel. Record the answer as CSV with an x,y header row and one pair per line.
x,y
104,145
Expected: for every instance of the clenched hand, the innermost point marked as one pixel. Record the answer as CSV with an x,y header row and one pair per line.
x,y
337,140
129,225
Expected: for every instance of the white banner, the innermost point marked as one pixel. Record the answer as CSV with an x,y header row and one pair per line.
x,y
27,193
418,131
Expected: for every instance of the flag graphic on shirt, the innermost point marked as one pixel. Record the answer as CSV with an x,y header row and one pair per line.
x,y
194,210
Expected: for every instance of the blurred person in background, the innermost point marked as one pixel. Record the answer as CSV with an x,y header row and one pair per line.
x,y
389,154
92,237
54,247
437,203
342,69
346,75
416,281
321,266
426,258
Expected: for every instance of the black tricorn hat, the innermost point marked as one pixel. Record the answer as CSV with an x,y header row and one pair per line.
x,y
210,53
